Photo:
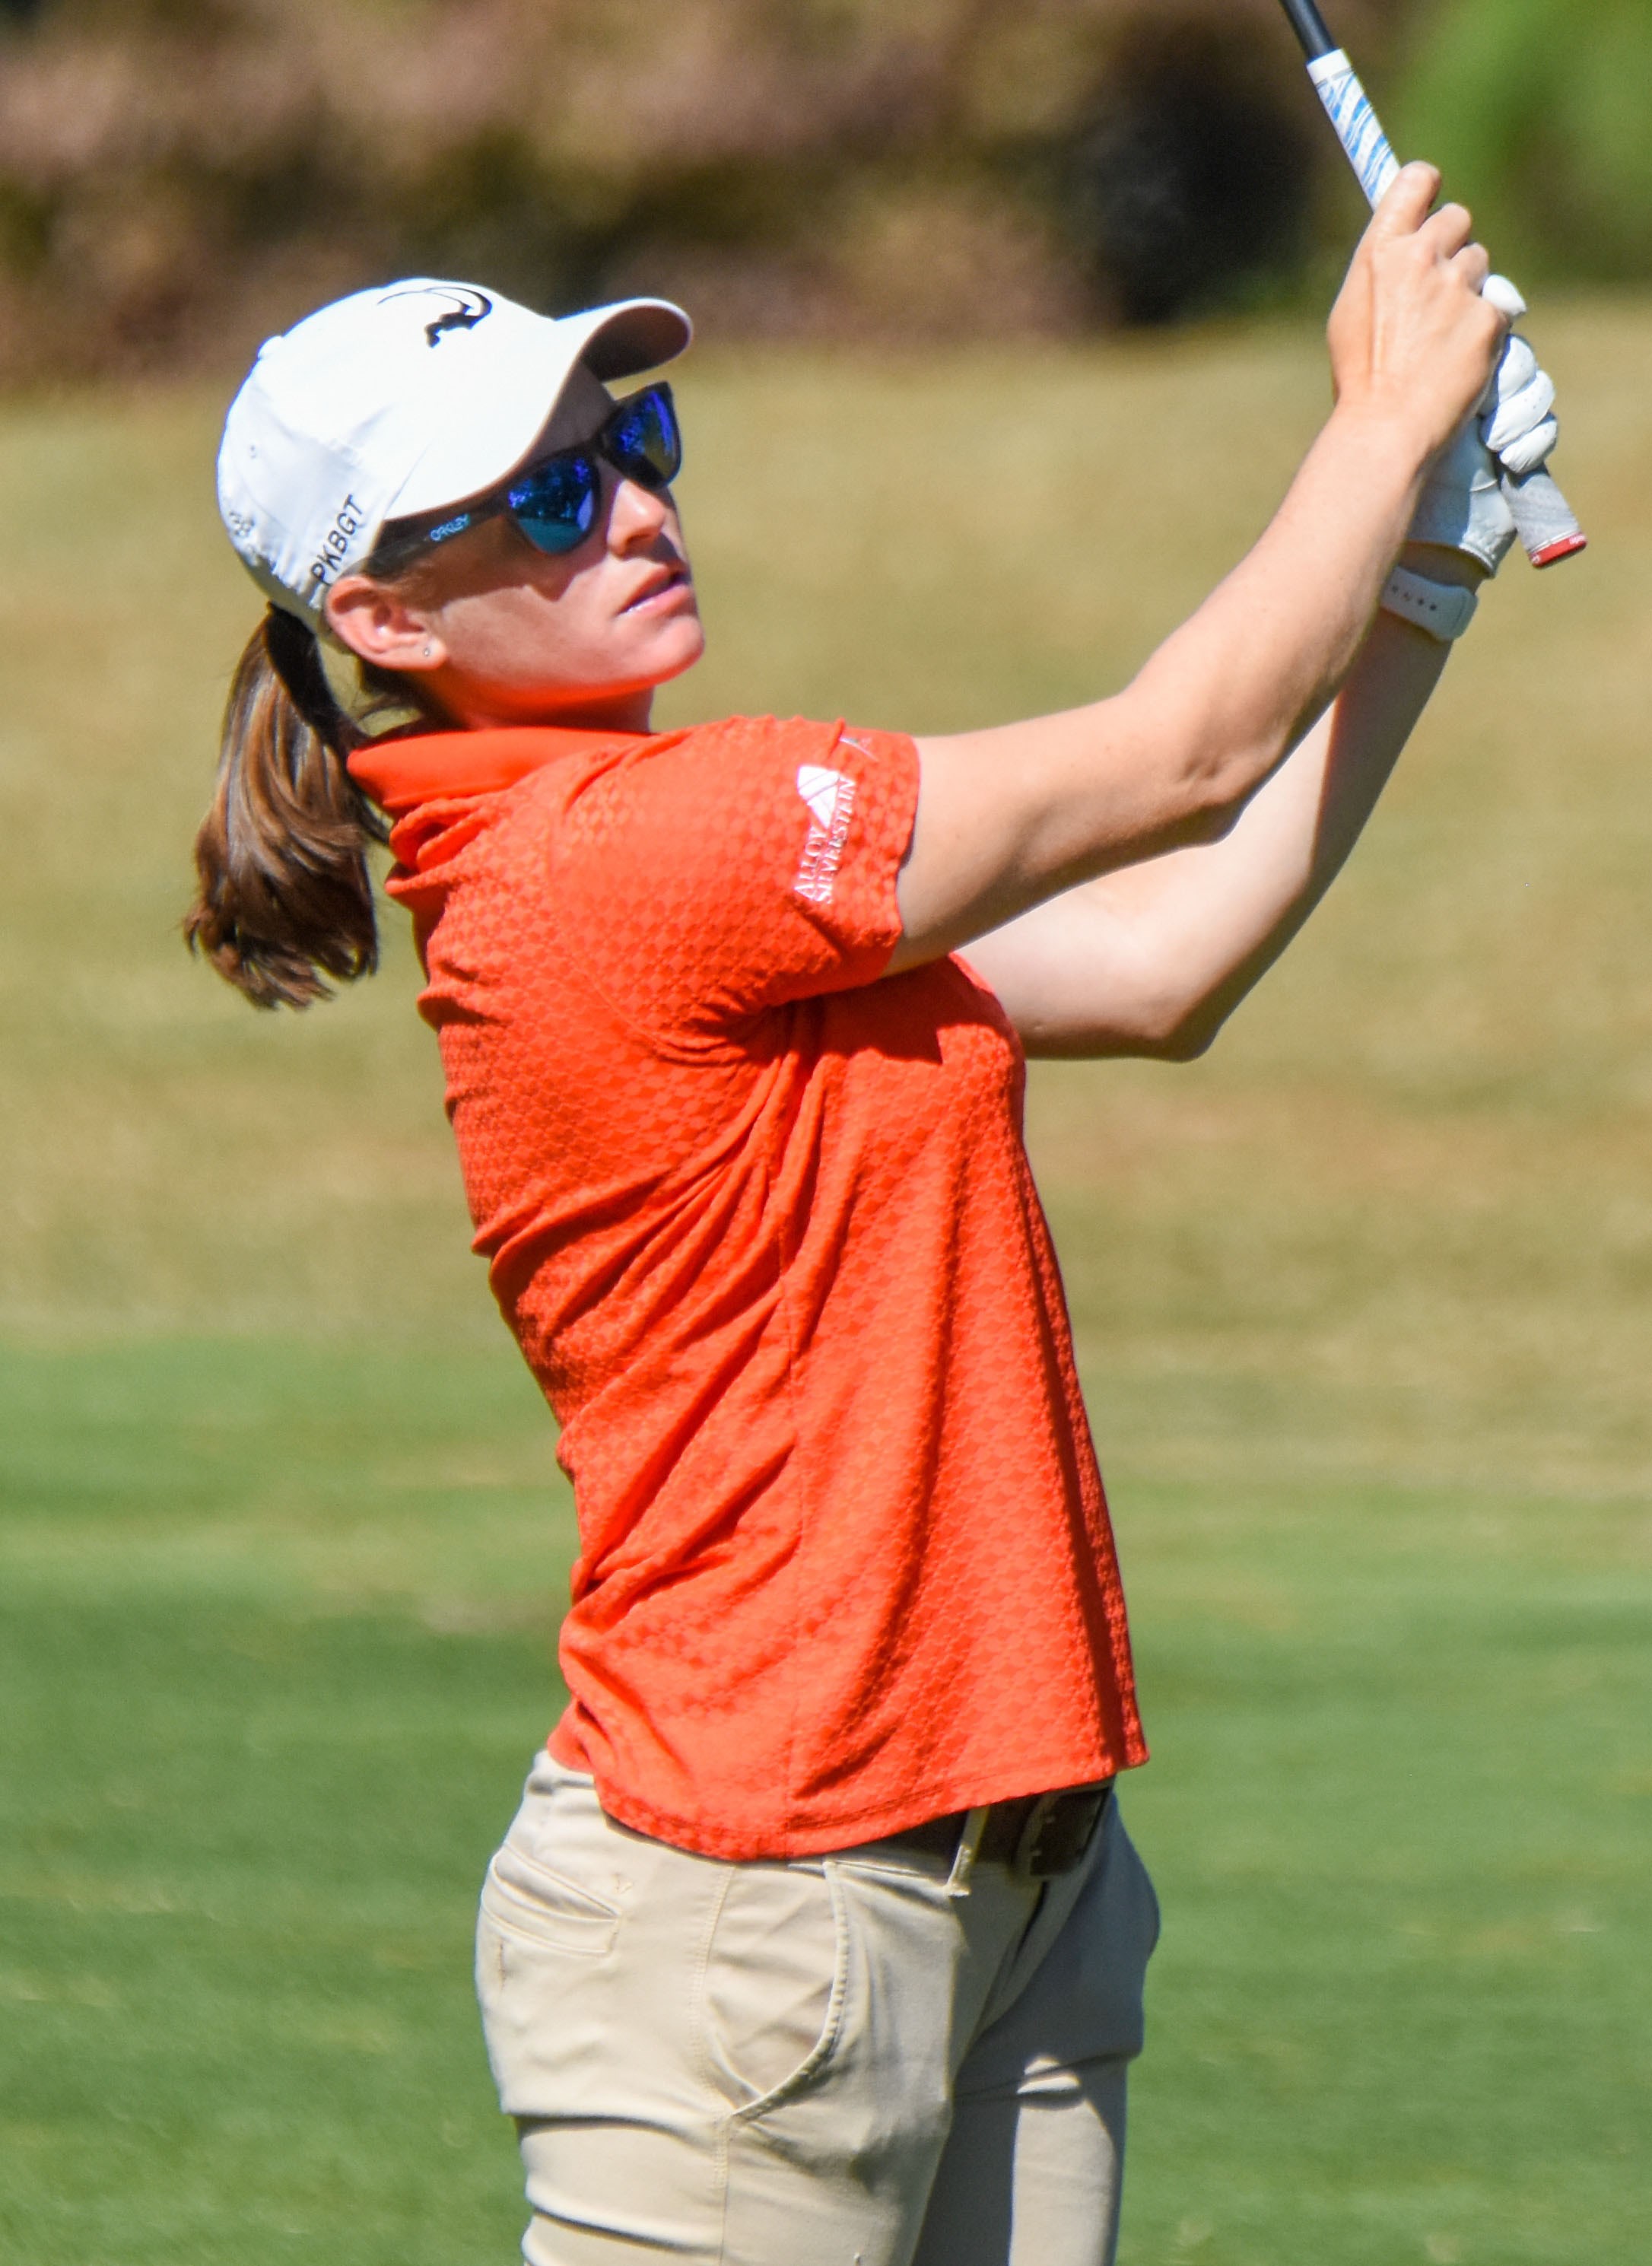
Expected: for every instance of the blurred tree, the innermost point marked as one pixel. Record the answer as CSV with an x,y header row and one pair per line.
x,y
1188,177
1541,113
179,176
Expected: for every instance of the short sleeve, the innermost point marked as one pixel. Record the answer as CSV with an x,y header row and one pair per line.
x,y
737,867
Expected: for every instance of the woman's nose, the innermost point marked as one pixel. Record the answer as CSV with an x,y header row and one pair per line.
x,y
637,514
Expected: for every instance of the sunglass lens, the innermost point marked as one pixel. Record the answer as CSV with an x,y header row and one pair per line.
x,y
555,505
646,439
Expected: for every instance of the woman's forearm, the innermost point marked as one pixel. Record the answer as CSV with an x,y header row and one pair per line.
x,y
1008,818
1234,689
1240,682
1215,920
1172,760
1154,958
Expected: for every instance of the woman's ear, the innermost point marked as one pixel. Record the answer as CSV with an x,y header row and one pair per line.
x,y
382,627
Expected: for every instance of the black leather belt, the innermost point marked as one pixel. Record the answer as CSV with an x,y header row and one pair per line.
x,y
1041,1835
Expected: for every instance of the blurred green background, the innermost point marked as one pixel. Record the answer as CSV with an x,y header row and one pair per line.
x,y
1365,1300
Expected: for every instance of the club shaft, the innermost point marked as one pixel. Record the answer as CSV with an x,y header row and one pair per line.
x,y
1310,27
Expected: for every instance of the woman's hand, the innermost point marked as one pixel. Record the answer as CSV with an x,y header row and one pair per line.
x,y
1412,343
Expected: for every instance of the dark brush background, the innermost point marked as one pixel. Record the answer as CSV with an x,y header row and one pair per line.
x,y
177,177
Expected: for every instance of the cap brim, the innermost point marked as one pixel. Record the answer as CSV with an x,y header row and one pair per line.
x,y
481,448
635,335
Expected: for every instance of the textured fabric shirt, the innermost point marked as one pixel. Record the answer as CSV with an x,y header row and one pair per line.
x,y
761,1220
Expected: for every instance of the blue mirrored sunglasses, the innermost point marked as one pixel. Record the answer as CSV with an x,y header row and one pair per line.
x,y
554,503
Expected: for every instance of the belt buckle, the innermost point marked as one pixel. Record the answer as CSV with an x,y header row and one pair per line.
x,y
1058,1834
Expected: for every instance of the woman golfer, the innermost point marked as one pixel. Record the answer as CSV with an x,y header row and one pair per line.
x,y
818,1938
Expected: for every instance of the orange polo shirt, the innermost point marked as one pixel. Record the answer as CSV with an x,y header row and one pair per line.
x,y
762,1221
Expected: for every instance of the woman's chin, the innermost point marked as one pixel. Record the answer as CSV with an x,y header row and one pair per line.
x,y
677,644
668,652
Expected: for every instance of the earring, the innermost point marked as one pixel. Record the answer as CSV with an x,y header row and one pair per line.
x,y
428,651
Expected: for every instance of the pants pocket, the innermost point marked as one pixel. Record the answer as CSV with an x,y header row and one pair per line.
x,y
543,1975
774,1983
526,1898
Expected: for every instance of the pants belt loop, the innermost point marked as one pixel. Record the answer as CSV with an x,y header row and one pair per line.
x,y
969,1849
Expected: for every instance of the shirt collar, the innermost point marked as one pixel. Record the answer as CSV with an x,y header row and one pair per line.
x,y
401,774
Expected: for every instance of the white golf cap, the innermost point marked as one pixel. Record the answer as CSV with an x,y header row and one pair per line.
x,y
399,401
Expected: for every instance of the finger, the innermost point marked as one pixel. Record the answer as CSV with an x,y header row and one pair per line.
x,y
1406,207
1517,369
1521,415
1448,230
1532,449
1473,263
1518,366
1503,295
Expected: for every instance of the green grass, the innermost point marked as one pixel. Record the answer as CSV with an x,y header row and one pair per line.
x,y
274,1657
1364,1303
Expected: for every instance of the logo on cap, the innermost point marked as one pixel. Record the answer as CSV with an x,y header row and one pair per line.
x,y
466,310
349,521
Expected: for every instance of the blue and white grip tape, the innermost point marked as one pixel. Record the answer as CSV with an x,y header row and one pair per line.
x,y
1358,127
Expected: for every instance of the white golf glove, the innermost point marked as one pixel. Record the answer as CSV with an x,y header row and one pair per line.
x,y
1463,507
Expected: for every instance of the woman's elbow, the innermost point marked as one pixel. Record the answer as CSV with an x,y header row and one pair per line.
x,y
1220,773
1180,1039
1203,810
1219,794
1118,1038
1171,1029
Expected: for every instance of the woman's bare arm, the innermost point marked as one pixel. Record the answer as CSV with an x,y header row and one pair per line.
x,y
1009,818
1153,958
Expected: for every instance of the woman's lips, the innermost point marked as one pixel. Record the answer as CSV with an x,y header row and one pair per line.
x,y
662,590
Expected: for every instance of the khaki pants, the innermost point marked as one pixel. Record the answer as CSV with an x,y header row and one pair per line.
x,y
831,2062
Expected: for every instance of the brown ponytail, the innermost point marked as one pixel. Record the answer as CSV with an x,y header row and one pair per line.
x,y
286,894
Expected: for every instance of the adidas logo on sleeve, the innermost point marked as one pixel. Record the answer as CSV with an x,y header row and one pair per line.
x,y
830,797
